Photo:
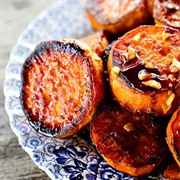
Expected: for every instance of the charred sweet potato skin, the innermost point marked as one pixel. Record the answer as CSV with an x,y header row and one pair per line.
x,y
173,135
116,16
141,74
167,12
130,143
62,85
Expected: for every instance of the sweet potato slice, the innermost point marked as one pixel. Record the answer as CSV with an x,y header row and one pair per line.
x,y
173,135
144,67
116,16
172,172
62,85
167,12
150,6
98,41
129,143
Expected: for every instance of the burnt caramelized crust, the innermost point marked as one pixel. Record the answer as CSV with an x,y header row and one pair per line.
x,y
116,16
144,67
167,12
98,41
129,143
62,85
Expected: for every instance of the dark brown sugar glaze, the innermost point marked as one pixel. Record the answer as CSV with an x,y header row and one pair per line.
x,y
142,144
149,48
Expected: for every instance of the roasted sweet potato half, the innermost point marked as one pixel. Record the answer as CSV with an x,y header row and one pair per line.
x,y
98,41
167,12
150,6
173,135
172,172
144,67
130,143
116,16
62,86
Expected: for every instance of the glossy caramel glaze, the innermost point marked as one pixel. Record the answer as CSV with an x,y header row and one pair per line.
x,y
60,80
128,141
145,57
167,12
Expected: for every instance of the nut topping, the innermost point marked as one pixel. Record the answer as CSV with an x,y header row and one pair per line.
x,y
137,118
171,6
165,36
126,55
149,65
116,69
167,105
129,127
144,75
171,77
137,37
152,83
170,99
130,54
54,63
175,66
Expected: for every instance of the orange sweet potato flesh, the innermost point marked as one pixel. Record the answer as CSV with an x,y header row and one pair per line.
x,y
117,16
98,41
144,66
167,12
173,135
62,86
172,172
129,143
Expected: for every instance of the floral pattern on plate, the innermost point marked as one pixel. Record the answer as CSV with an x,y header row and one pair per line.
x,y
74,158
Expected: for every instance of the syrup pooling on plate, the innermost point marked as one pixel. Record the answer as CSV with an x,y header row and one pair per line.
x,y
58,86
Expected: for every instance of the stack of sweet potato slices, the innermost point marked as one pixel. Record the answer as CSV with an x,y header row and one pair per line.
x,y
123,79
140,66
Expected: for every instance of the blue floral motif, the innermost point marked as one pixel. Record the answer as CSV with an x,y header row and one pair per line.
x,y
106,172
37,158
33,142
13,84
21,52
71,156
64,153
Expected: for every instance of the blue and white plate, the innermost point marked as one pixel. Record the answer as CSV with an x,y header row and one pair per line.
x,y
74,158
